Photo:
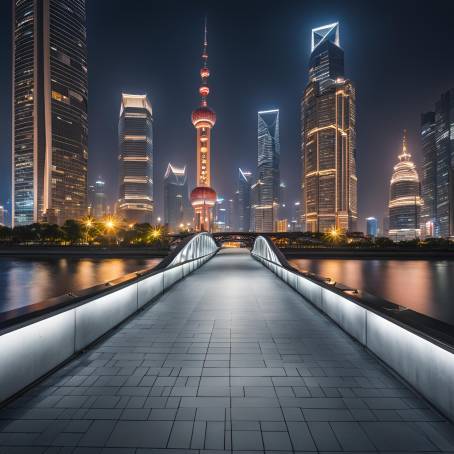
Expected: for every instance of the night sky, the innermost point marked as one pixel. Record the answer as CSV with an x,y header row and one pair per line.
x,y
399,54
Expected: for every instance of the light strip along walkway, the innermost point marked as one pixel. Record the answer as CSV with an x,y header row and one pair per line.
x,y
230,358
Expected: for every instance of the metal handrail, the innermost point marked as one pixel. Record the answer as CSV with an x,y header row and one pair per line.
x,y
42,309
435,331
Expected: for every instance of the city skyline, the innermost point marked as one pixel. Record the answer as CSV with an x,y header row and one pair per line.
x,y
223,178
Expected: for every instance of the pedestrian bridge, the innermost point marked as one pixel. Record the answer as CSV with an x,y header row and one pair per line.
x,y
231,358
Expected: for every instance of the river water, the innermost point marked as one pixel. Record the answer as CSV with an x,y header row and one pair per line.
x,y
24,281
426,286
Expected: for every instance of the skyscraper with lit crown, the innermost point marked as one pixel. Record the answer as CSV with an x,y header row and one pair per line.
x,y
135,137
404,198
203,196
328,138
175,197
268,170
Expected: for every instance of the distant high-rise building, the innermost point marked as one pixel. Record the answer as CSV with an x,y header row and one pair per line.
x,y
385,224
268,170
175,197
404,198
429,174
232,214
329,183
283,204
295,221
203,196
244,200
281,225
135,136
99,207
437,136
257,213
220,221
371,227
50,86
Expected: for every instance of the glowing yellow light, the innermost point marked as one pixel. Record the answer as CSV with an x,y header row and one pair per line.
x,y
110,224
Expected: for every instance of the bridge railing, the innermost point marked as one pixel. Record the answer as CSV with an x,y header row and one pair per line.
x,y
33,344
418,348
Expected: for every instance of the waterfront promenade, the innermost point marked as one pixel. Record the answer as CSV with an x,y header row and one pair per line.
x,y
229,359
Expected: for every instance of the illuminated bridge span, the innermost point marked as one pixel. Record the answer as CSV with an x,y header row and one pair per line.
x,y
230,358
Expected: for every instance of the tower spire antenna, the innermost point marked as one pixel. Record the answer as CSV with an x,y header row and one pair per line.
x,y
205,43
404,154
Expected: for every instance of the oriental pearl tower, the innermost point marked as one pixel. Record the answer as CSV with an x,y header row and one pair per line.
x,y
203,196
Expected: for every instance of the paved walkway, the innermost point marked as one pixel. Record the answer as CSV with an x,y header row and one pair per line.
x,y
229,359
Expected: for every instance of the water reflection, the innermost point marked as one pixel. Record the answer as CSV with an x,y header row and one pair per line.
x,y
26,281
422,285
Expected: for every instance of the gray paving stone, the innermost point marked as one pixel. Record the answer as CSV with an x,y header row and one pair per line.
x,y
181,434
247,440
351,436
277,441
140,434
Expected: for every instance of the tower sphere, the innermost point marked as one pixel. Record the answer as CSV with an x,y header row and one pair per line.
x,y
204,73
203,195
203,114
204,91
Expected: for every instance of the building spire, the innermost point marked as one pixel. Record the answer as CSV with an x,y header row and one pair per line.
x,y
204,72
404,155
205,42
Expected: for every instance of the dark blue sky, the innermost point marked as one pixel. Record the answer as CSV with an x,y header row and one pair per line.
x,y
398,53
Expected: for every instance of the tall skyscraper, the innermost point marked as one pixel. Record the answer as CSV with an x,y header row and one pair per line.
x,y
404,198
220,220
50,89
175,197
429,175
203,196
135,136
98,199
444,138
371,227
437,137
329,183
283,204
244,200
266,209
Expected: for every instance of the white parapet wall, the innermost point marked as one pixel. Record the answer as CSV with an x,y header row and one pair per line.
x,y
422,361
31,349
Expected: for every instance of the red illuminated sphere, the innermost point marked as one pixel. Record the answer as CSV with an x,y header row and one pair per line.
x,y
204,73
204,90
202,194
203,114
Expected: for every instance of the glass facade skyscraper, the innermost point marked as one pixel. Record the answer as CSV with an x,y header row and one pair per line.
x,y
176,200
404,199
328,137
97,199
437,137
371,227
444,140
50,123
135,136
429,175
268,170
244,200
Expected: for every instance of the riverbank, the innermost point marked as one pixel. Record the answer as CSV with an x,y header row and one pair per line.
x,y
82,251
348,253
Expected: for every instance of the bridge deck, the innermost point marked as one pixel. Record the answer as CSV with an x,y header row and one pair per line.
x,y
228,359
